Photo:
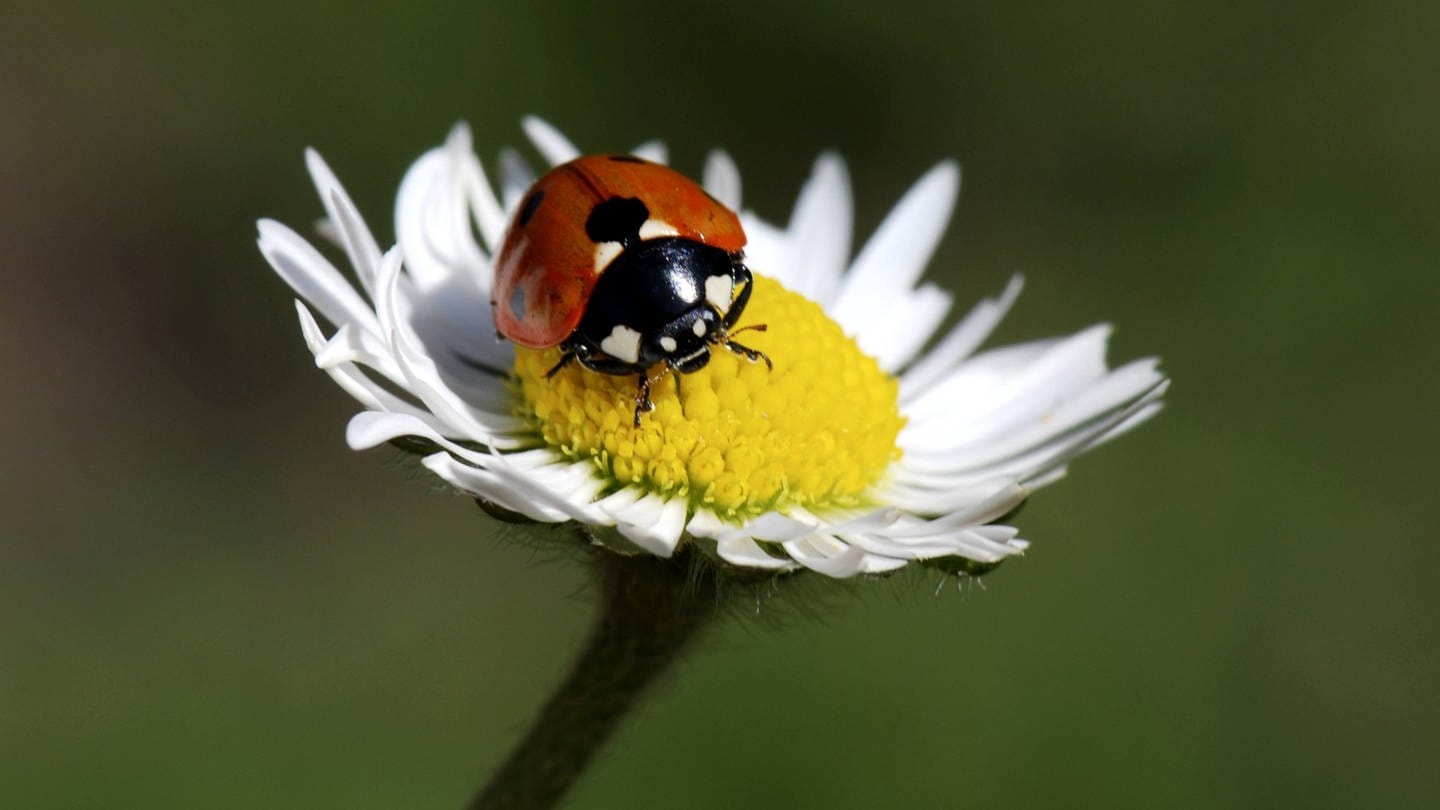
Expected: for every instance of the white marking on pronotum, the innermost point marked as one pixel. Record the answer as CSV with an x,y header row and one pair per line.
x,y
698,328
622,344
605,252
668,343
654,229
717,292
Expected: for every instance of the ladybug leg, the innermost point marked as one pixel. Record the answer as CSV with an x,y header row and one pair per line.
x,y
748,353
587,357
565,359
606,365
679,395
643,405
743,276
747,282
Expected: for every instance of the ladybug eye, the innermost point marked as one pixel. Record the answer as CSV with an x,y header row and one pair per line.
x,y
617,219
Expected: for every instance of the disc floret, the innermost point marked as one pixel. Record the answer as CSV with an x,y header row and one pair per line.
x,y
737,438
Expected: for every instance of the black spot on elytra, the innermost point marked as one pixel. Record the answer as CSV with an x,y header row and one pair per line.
x,y
626,159
617,219
528,209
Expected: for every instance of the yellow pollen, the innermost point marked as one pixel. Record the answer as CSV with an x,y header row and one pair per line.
x,y
740,439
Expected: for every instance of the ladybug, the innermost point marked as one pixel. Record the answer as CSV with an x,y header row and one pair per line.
x,y
626,265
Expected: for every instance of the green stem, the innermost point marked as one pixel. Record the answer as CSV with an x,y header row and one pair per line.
x,y
650,612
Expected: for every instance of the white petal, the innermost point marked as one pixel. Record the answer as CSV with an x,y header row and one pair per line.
x,y
1038,463
329,231
939,495
891,262
1103,396
1132,421
1072,412
369,429
354,235
820,231
959,344
553,146
737,545
313,278
747,553
485,210
653,523
722,179
516,178
705,523
1002,501
547,488
422,377
505,491
907,327
440,194
880,564
491,428
349,376
987,543
943,545
572,482
1028,417
772,527
983,398
455,323
1046,478
826,555
1041,459
565,487
351,345
980,543
653,151
620,500
873,521
767,249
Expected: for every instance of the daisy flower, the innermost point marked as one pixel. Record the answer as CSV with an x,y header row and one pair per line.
x,y
875,441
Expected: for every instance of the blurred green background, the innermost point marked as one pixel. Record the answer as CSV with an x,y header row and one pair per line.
x,y
206,600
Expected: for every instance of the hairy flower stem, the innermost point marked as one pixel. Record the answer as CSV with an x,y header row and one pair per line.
x,y
651,611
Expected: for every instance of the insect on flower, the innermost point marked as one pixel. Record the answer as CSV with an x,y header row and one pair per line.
x,y
626,265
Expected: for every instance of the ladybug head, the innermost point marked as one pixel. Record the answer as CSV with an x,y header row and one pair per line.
x,y
684,344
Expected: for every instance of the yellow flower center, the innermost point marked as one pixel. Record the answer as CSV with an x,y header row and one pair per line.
x,y
739,439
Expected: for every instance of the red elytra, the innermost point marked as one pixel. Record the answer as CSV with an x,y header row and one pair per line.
x,y
548,263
